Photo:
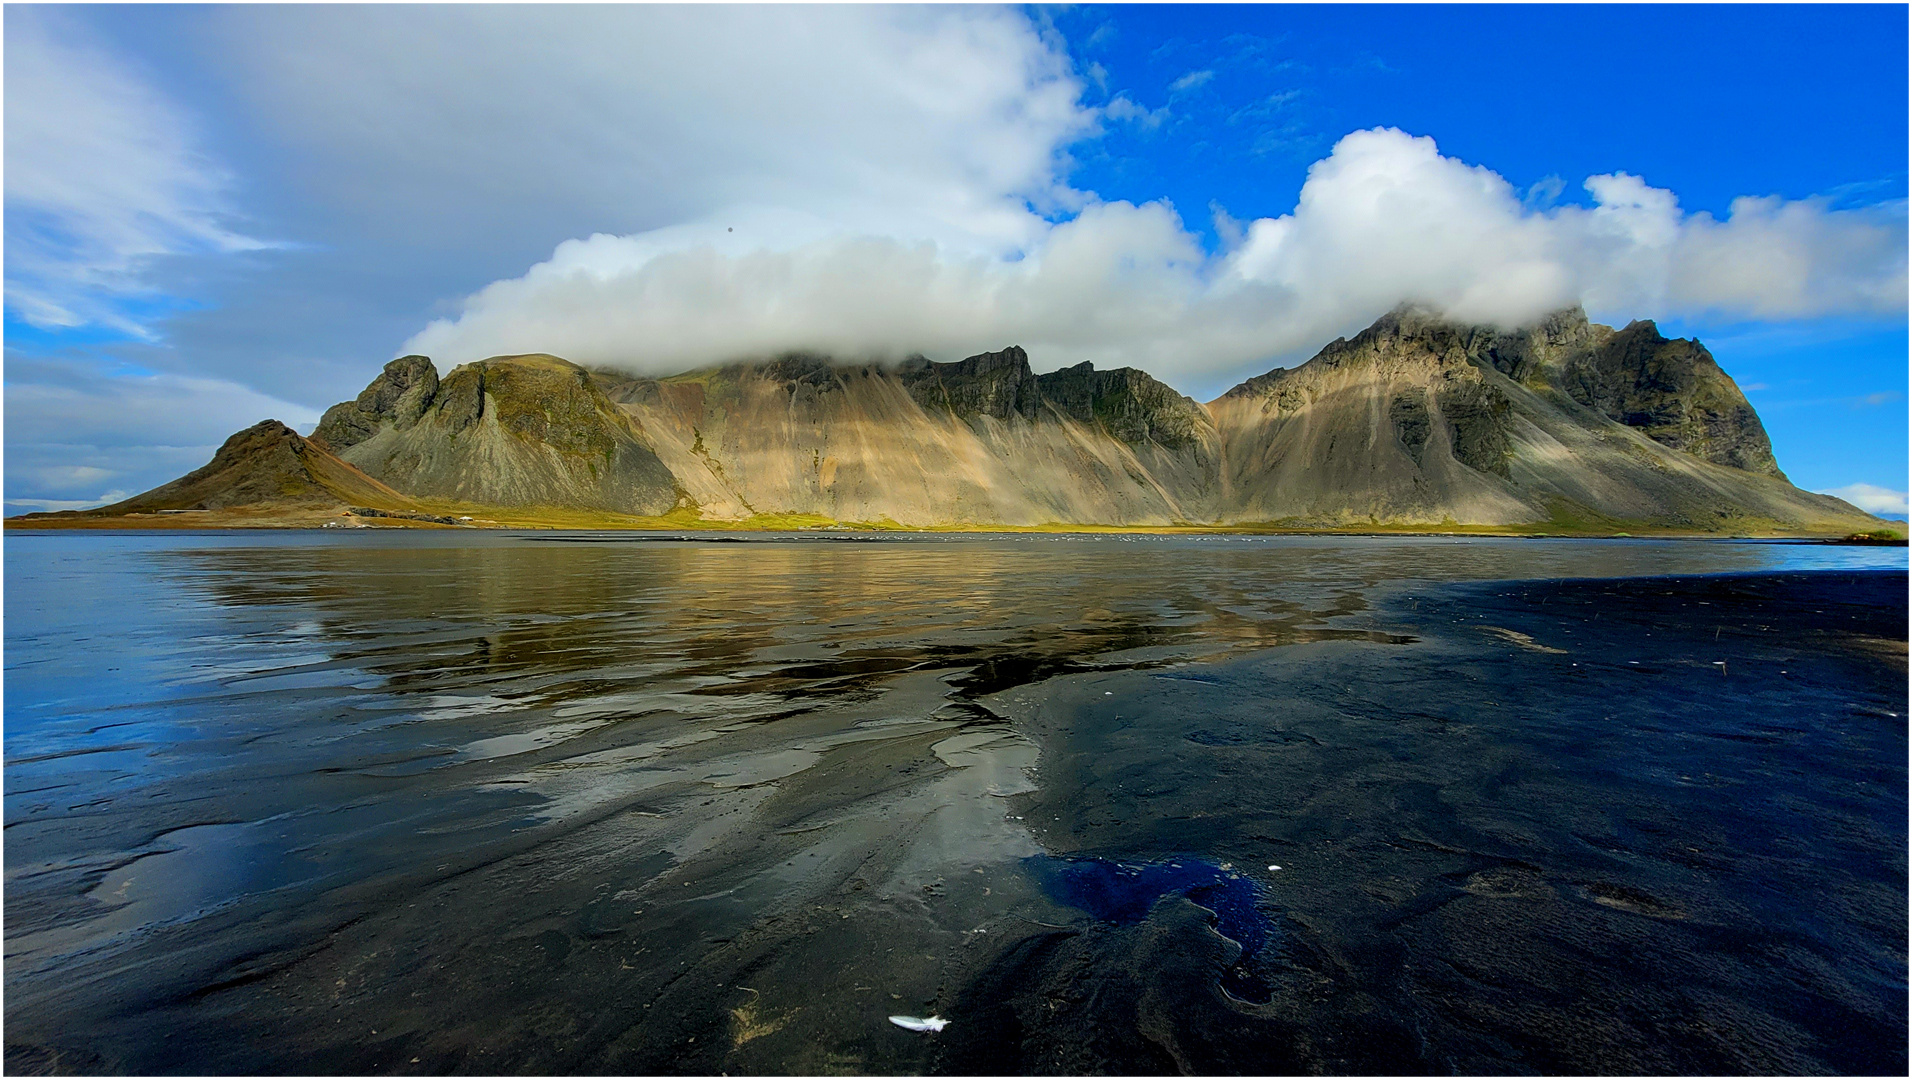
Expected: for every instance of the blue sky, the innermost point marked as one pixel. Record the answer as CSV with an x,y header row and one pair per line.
x,y
220,214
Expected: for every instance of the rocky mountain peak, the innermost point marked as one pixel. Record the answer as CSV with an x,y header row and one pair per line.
x,y
540,398
400,395
1128,403
999,384
1672,391
1012,361
505,430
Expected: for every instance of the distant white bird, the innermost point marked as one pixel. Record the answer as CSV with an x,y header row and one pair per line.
x,y
917,1023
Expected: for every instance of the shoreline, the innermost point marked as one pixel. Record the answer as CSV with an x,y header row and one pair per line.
x,y
1894,534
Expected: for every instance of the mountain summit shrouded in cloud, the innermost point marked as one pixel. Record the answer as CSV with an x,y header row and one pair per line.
x,y
1417,421
1383,219
240,204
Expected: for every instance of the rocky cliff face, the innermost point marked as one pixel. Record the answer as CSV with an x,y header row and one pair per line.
x,y
1414,421
998,385
1396,424
1128,404
1672,392
528,430
983,440
1417,419
398,397
1669,390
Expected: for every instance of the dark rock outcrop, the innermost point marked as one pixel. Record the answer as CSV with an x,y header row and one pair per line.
x,y
1408,413
1128,404
998,384
1673,392
399,396
1477,419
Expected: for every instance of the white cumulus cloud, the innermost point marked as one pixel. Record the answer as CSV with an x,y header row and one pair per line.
x,y
1385,218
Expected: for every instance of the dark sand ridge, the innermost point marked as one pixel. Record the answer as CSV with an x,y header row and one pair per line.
x,y
722,809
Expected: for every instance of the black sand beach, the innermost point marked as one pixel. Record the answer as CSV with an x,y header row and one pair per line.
x,y
726,810
1641,826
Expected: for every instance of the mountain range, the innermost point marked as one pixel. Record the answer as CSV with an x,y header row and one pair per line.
x,y
1417,421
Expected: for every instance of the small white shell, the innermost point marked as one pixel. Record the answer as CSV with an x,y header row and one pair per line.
x,y
914,1023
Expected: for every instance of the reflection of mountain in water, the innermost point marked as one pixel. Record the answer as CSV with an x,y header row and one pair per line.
x,y
785,621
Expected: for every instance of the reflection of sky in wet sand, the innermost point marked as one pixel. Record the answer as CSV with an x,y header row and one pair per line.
x,y
220,744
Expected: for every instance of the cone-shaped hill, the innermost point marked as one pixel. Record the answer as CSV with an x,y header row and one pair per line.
x,y
266,463
1416,421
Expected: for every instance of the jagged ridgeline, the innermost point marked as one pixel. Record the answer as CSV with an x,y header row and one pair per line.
x,y
1415,421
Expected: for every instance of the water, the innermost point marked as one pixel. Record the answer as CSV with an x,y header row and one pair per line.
x,y
410,801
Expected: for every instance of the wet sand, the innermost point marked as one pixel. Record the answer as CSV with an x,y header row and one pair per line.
x,y
1554,836
564,808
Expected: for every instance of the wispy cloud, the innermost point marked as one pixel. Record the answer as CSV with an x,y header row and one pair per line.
x,y
1871,498
1293,141
1124,109
103,178
1266,107
1860,192
1190,81
76,437
1544,192
1259,52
